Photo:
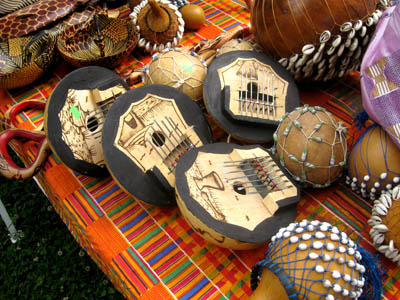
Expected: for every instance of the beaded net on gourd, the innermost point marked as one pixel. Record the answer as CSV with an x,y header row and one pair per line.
x,y
326,134
313,260
374,163
181,70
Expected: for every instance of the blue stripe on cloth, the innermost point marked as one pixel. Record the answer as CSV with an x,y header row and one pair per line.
x,y
195,289
161,254
137,219
101,197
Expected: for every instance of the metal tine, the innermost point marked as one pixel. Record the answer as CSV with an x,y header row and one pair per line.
x,y
272,172
98,124
266,180
241,94
173,135
244,170
263,95
182,136
246,160
244,164
247,81
258,91
99,108
244,176
175,128
161,148
166,135
251,92
184,139
159,154
276,186
273,97
162,131
269,92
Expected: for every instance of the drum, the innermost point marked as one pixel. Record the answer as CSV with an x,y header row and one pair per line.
x,y
315,40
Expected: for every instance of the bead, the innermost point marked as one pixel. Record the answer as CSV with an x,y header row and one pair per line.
x,y
319,235
330,247
335,230
303,246
286,234
313,255
319,269
334,237
326,257
294,239
336,274
337,288
317,245
324,228
306,236
347,277
327,283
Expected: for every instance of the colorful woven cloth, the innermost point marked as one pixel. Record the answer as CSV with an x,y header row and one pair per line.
x,y
151,252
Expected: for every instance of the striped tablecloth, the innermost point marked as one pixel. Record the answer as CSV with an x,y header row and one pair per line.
x,y
150,252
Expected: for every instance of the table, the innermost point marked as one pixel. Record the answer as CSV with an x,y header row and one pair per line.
x,y
151,252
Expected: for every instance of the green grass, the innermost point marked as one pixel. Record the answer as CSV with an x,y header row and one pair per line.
x,y
47,263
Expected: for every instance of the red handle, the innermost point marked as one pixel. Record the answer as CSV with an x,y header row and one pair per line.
x,y
7,166
11,114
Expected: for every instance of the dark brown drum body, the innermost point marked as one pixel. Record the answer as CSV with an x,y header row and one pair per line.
x,y
315,40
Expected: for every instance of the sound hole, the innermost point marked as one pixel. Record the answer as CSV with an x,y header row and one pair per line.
x,y
158,138
239,188
252,90
92,124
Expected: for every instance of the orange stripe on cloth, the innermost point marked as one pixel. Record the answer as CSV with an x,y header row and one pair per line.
x,y
62,181
209,32
106,239
157,292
